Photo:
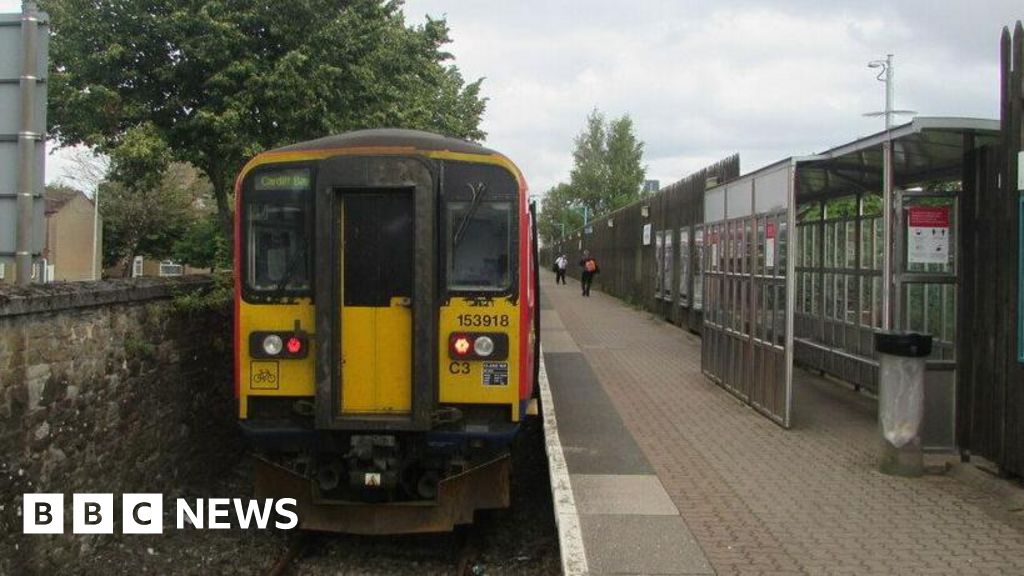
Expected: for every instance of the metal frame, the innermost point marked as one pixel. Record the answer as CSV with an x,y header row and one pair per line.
x,y
827,339
748,305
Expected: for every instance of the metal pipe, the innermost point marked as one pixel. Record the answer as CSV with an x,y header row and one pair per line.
x,y
888,92
26,144
887,215
95,231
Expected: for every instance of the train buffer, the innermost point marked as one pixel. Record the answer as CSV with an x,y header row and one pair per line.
x,y
656,470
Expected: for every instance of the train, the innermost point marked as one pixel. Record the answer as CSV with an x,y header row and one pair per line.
x,y
386,327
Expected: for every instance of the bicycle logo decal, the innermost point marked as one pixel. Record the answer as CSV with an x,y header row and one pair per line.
x,y
264,375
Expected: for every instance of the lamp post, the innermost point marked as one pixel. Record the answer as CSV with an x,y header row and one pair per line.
x,y
886,76
586,218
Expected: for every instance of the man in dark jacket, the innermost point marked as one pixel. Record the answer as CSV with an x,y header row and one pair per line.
x,y
589,266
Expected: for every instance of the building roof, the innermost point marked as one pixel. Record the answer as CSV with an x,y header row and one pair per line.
x,y
57,197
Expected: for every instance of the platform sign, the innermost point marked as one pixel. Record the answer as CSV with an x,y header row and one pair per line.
x,y
928,235
10,126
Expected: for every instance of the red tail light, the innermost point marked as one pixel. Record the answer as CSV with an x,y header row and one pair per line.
x,y
294,345
460,344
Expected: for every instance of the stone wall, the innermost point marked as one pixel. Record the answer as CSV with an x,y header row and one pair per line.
x,y
119,386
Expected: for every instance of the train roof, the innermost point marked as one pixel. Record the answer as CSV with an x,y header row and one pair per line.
x,y
390,138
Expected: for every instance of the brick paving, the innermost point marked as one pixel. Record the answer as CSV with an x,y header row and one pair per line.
x,y
763,500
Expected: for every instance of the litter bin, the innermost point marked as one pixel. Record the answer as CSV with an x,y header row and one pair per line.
x,y
901,367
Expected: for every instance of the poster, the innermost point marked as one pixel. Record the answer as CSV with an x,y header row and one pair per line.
x,y
928,235
769,245
647,234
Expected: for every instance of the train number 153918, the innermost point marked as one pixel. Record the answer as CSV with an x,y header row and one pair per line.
x,y
483,320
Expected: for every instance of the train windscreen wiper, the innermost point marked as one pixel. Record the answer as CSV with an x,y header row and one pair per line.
x,y
478,193
290,268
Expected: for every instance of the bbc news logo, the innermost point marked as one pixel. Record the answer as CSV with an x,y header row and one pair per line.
x,y
144,513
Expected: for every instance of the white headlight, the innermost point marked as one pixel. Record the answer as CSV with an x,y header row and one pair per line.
x,y
483,346
272,345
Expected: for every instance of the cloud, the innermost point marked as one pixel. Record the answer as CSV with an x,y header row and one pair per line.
x,y
705,79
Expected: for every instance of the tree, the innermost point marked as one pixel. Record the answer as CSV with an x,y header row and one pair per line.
x,y
623,156
589,176
218,81
147,201
606,175
557,214
606,172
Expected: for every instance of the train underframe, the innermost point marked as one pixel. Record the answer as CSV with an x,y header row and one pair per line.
x,y
379,482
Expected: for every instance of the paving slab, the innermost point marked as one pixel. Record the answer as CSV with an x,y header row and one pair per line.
x,y
627,544
621,494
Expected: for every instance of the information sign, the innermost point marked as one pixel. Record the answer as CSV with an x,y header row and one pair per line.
x,y
928,237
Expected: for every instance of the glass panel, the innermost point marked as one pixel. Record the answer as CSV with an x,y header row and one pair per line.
x,y
684,267
479,243
278,254
739,200
714,205
659,261
771,191
668,259
780,315
698,273
781,245
851,299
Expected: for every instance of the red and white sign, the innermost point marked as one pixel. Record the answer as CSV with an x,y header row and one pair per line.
x,y
929,217
769,244
928,235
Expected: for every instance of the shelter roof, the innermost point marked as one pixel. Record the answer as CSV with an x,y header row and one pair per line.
x,y
926,150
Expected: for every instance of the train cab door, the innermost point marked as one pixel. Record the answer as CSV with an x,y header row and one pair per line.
x,y
375,274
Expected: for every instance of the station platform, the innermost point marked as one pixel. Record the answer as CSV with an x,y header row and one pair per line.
x,y
656,470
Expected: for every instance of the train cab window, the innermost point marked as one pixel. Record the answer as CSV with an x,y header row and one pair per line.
x,y
276,229
479,240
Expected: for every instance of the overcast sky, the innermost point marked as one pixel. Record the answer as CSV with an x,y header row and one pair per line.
x,y
704,79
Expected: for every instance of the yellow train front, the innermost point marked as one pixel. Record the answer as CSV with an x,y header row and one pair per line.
x,y
385,331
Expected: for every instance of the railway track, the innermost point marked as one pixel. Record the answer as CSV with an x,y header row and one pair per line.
x,y
296,547
465,542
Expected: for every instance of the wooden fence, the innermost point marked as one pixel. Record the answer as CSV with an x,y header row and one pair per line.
x,y
990,401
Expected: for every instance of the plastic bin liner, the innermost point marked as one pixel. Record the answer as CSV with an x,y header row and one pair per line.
x,y
901,401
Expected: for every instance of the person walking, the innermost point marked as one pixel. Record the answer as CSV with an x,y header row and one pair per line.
x,y
561,264
589,266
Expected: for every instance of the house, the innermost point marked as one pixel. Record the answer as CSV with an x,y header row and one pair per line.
x,y
71,221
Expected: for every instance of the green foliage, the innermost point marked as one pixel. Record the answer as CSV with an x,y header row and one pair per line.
x,y
607,174
217,81
141,158
558,215
216,298
623,156
144,218
588,180
845,207
202,245
137,348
